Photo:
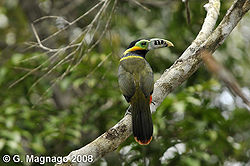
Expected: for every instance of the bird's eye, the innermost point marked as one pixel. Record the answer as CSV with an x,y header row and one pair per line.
x,y
143,44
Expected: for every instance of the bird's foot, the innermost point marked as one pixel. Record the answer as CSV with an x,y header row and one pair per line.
x,y
128,111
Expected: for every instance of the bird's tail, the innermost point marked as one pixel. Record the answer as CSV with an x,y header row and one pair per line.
x,y
141,119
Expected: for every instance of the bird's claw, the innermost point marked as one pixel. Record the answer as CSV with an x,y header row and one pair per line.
x,y
128,111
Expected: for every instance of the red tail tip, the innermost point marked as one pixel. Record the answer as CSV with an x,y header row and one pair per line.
x,y
143,142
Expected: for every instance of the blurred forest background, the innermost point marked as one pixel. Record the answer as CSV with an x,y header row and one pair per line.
x,y
200,123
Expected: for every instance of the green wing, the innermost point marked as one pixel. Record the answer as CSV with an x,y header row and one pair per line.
x,y
126,83
147,80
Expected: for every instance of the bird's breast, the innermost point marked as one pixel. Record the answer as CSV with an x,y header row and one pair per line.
x,y
133,64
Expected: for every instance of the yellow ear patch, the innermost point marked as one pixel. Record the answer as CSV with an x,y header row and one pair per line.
x,y
132,49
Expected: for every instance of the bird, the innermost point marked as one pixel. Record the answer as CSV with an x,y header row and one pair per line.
x,y
136,82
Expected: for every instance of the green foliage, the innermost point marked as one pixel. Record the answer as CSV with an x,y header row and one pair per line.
x,y
193,126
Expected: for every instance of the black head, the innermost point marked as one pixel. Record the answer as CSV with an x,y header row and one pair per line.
x,y
132,44
139,52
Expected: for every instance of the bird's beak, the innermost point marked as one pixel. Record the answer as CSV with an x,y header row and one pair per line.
x,y
159,43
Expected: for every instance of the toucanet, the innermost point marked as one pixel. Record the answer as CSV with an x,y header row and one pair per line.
x,y
136,82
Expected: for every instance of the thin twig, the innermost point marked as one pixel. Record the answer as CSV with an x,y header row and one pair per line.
x,y
141,5
53,68
73,22
88,50
35,69
33,57
94,20
50,17
105,5
58,51
220,71
187,11
40,45
97,67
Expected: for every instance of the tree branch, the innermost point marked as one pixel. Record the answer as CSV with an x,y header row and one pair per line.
x,y
186,65
223,74
182,69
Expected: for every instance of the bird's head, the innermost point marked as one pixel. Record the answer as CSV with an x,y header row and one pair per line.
x,y
142,46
